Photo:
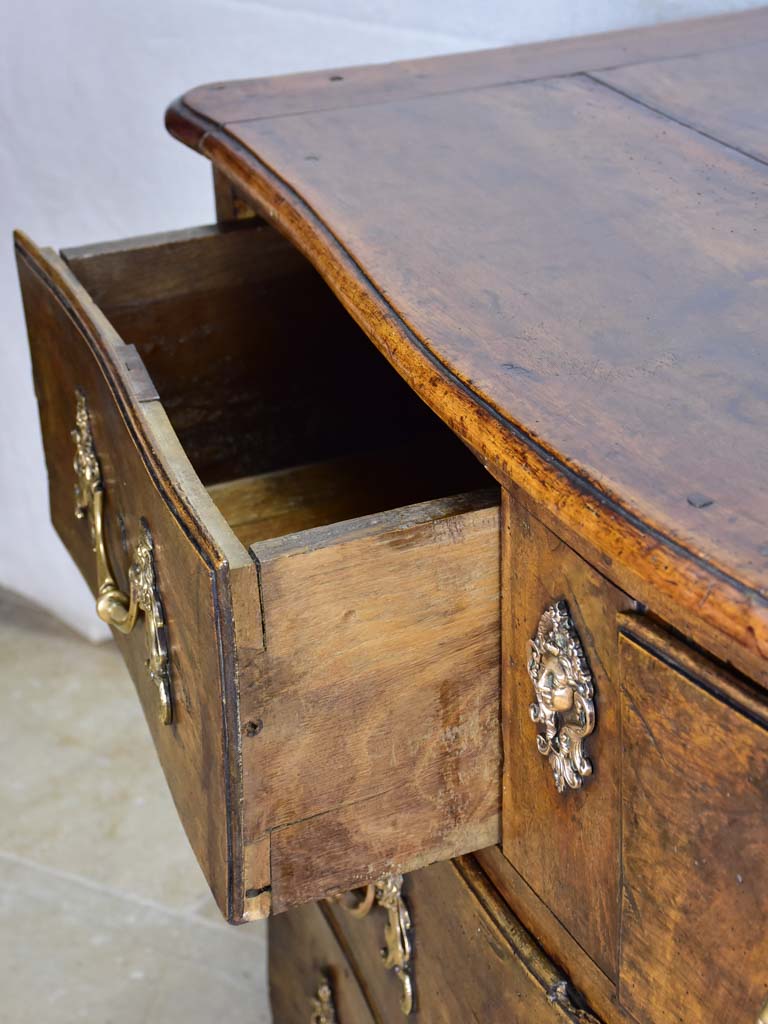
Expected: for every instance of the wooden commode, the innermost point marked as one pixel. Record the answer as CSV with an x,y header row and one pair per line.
x,y
426,493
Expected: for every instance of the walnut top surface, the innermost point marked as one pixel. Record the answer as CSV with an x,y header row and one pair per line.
x,y
562,247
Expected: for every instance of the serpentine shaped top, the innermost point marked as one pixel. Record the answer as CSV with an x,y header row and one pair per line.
x,y
562,248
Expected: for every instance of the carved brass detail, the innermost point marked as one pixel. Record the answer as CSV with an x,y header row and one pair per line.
x,y
323,1009
396,953
564,696
112,605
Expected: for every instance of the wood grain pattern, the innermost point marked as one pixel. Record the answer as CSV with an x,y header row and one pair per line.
x,y
377,694
722,94
572,279
694,808
554,938
302,497
628,272
256,363
145,475
327,641
302,951
570,350
472,958
565,845
712,609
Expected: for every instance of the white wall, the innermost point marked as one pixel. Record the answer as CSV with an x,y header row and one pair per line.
x,y
84,155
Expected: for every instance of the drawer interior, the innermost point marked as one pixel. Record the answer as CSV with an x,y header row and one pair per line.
x,y
300,497
289,415
360,653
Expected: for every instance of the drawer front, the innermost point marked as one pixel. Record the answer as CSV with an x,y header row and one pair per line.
x,y
310,979
635,804
470,958
334,686
178,649
560,818
695,831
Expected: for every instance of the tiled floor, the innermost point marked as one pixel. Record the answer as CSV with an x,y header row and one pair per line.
x,y
104,913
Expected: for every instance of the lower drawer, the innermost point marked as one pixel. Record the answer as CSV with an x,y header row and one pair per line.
x,y
694,829
310,978
299,569
635,796
467,956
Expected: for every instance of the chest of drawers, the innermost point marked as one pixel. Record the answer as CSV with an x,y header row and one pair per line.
x,y
427,494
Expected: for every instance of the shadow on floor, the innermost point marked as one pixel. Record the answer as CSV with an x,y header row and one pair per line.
x,y
104,912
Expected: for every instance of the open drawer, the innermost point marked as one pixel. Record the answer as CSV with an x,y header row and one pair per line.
x,y
300,571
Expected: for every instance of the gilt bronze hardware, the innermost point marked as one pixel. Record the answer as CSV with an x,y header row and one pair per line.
x,y
564,693
113,606
396,953
323,1009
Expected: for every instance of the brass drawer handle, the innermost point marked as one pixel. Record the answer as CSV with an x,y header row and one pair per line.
x,y
323,1009
112,605
396,953
564,693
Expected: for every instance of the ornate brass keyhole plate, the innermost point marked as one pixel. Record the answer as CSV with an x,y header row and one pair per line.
x,y
564,692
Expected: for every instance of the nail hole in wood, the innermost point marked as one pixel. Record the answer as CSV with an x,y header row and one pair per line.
x,y
700,500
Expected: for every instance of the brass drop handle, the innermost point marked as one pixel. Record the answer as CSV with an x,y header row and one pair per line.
x,y
387,893
113,606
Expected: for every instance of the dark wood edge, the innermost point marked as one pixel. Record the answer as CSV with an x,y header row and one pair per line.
x,y
544,972
549,932
156,240
104,344
120,274
737,691
685,589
